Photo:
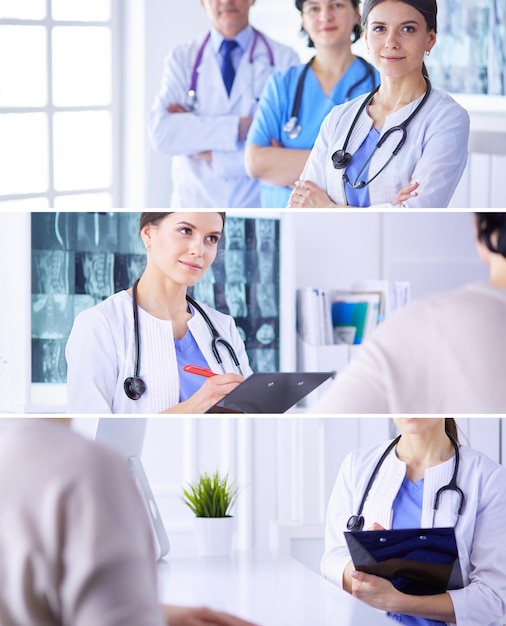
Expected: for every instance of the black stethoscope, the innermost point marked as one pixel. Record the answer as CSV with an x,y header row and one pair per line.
x,y
341,158
356,522
292,127
191,101
134,386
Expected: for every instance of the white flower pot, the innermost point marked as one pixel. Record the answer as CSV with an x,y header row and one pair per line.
x,y
214,535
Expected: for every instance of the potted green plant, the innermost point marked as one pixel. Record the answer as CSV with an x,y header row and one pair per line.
x,y
211,498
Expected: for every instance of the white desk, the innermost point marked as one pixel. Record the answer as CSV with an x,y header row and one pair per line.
x,y
267,590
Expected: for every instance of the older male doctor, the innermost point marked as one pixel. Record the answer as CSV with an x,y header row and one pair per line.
x,y
203,110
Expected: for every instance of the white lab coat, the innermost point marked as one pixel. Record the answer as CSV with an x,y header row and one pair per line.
x,y
101,354
480,530
434,155
222,183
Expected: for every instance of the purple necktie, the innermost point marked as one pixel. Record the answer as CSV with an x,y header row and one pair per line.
x,y
227,67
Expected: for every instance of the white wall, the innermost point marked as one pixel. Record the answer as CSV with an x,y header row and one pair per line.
x,y
433,250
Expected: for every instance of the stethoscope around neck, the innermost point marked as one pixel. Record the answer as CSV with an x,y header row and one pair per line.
x,y
356,522
292,127
134,386
342,158
191,101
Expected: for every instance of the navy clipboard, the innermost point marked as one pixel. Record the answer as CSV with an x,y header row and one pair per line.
x,y
419,561
270,393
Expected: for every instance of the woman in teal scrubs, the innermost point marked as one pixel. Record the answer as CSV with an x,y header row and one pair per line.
x,y
333,76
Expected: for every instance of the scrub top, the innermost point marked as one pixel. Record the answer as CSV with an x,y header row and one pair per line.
x,y
275,109
188,353
407,513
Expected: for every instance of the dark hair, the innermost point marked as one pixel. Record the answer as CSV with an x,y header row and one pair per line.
x,y
492,225
151,217
451,428
356,32
428,8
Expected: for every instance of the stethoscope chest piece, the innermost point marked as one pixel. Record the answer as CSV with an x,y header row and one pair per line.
x,y
292,128
341,159
355,523
134,387
191,101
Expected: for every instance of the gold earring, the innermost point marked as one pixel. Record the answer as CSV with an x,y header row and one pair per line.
x,y
148,248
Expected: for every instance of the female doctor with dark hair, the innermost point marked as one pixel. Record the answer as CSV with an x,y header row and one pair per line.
x,y
114,367
403,145
403,495
295,101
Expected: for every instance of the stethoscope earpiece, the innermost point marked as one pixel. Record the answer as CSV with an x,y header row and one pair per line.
x,y
341,159
134,387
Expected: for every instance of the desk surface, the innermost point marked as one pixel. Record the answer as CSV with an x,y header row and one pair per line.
x,y
268,590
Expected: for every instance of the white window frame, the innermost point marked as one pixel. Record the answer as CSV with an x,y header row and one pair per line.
x,y
114,108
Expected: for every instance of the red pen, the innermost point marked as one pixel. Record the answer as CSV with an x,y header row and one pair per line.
x,y
199,370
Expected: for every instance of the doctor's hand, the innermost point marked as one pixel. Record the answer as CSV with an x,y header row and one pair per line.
x,y
211,392
204,156
202,616
307,195
375,591
407,193
175,107
244,124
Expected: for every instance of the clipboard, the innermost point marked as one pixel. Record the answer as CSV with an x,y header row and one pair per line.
x,y
418,561
270,393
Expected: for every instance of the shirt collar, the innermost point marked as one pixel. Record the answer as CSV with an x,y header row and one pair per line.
x,y
243,38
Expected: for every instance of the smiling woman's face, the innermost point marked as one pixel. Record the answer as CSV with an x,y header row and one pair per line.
x,y
397,38
183,245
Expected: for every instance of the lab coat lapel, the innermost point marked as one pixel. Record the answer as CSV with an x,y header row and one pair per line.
x,y
210,83
250,78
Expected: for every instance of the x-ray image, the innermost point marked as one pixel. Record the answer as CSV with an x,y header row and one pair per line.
x,y
265,298
464,59
203,292
95,273
52,316
264,360
235,297
235,238
235,269
48,361
266,266
97,231
53,231
79,259
265,231
129,239
51,271
266,334
127,269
